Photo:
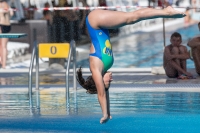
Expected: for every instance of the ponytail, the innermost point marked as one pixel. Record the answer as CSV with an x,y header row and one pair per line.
x,y
89,84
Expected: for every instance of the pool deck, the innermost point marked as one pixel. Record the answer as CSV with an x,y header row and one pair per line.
x,y
133,79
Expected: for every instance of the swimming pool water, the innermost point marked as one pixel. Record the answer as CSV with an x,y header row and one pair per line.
x,y
122,102
145,49
138,112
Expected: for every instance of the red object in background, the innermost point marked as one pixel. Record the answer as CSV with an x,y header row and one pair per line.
x,y
160,3
102,4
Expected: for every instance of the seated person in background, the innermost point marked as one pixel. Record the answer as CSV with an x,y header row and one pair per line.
x,y
175,56
194,44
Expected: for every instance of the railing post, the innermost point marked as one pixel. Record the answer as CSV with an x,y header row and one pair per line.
x,y
163,26
67,77
74,76
74,64
30,78
36,69
37,60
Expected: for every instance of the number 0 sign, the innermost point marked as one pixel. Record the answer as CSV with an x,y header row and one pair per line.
x,y
54,50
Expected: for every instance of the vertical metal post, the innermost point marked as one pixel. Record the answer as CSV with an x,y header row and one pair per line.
x,y
67,78
36,69
30,78
164,42
74,64
74,76
37,60
163,24
38,99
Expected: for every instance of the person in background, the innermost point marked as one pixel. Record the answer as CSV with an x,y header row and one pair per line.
x,y
187,18
82,16
47,14
175,56
19,14
101,56
194,44
73,18
5,27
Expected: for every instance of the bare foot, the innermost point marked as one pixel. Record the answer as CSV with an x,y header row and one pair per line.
x,y
172,13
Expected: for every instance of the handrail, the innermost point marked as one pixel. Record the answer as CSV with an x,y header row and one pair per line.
x,y
74,74
67,77
72,50
30,78
74,64
35,54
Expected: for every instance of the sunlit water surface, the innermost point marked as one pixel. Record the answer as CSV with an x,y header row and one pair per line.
x,y
131,111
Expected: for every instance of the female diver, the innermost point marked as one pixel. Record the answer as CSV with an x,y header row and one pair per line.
x,y
101,57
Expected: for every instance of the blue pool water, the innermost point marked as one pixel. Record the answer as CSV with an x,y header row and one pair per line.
x,y
145,49
146,123
138,112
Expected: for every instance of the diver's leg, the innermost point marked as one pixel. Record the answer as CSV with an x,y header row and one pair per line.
x,y
113,19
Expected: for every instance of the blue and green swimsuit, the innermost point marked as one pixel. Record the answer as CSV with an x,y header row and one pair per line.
x,y
101,42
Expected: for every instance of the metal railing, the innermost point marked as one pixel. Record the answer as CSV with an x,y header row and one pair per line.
x,y
71,58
